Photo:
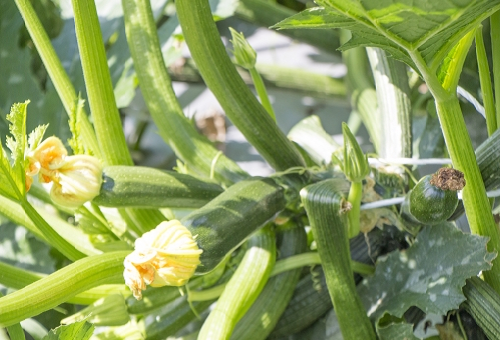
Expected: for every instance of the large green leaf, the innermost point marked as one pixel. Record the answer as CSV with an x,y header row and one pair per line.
x,y
430,274
426,28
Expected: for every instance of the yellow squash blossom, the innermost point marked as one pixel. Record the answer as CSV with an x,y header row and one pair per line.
x,y
165,256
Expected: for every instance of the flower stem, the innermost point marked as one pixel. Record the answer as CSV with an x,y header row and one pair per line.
x,y
60,286
56,240
261,91
220,75
355,194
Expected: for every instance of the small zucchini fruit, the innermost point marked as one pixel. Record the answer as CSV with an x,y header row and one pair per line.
x,y
434,198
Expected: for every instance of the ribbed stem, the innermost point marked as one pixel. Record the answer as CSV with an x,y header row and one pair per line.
x,y
60,286
477,206
56,72
394,106
107,122
175,129
220,75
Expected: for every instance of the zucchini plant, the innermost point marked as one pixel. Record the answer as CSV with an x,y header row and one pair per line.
x,y
361,238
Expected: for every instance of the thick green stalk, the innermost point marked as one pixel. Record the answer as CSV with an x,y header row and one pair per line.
x,y
102,101
243,287
17,278
55,70
107,123
394,106
60,286
477,205
261,91
495,57
485,81
173,126
221,77
54,239
355,194
323,204
363,94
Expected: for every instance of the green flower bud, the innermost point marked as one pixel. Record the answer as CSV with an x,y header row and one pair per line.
x,y
355,163
245,56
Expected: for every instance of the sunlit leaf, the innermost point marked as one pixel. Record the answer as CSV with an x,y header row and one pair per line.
x,y
81,330
425,30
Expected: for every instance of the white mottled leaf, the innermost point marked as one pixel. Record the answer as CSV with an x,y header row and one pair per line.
x,y
430,274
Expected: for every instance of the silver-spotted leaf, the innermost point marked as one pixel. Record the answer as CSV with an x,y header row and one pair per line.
x,y
429,275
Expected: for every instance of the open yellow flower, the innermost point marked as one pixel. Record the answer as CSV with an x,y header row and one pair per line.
x,y
165,256
49,156
77,181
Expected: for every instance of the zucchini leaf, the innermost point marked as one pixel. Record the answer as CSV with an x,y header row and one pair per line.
x,y
429,275
396,330
428,29
81,330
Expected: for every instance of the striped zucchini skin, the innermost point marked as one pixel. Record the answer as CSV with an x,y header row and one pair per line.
x,y
137,186
311,299
265,312
244,286
172,318
225,222
483,304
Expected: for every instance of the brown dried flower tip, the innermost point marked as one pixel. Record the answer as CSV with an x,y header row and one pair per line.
x,y
345,206
448,179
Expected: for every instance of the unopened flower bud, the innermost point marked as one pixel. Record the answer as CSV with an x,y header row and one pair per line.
x,y
244,55
356,166
77,181
165,256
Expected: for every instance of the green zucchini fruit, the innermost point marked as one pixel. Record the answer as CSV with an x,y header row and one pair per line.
x,y
434,198
226,222
483,304
137,186
172,318
244,286
265,312
311,299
